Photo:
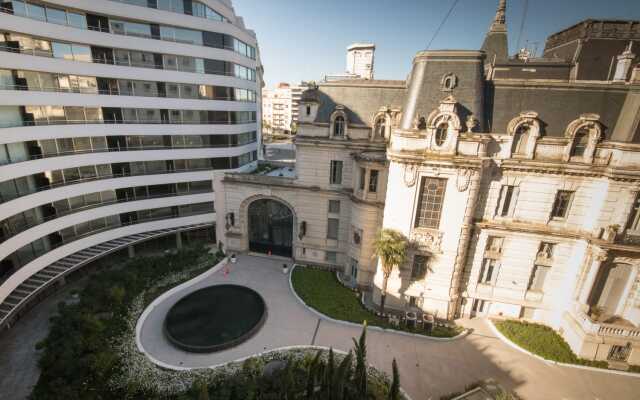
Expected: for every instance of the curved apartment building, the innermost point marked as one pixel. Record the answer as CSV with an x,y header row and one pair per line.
x,y
114,118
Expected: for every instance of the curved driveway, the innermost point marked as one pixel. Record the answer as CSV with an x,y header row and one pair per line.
x,y
428,368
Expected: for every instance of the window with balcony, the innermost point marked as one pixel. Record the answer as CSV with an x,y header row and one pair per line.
x,y
419,267
373,181
334,206
507,200
494,244
333,227
335,172
488,271
562,204
430,203
363,177
538,277
633,224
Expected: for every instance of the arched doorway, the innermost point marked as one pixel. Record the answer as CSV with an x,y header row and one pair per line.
x,y
270,227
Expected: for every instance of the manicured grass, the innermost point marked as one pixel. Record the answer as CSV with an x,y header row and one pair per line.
x,y
543,341
321,290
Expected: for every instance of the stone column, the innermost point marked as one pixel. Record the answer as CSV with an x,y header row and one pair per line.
x,y
132,251
599,257
466,232
179,240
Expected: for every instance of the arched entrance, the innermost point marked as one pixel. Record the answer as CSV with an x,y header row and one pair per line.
x,y
270,227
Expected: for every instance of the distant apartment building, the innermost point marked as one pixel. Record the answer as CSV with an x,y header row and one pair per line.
x,y
359,63
280,107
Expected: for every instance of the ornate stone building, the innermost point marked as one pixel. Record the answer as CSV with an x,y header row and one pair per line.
x,y
517,181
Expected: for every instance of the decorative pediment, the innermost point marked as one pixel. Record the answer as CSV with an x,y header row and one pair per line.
x,y
428,240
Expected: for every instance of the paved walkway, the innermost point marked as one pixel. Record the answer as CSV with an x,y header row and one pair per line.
x,y
428,368
19,370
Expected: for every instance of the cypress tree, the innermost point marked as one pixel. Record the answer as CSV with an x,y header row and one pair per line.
x,y
394,390
360,378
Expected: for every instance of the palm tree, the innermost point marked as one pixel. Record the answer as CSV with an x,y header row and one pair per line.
x,y
391,247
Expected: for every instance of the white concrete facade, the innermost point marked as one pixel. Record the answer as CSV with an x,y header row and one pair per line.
x,y
129,172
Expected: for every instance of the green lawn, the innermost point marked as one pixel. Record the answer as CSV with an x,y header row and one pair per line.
x,y
543,341
321,290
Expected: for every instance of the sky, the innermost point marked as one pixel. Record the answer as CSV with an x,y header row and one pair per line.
x,y
306,39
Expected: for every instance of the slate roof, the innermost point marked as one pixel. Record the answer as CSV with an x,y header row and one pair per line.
x,y
362,99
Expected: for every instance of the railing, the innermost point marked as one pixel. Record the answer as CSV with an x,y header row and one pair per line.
x,y
16,229
602,329
107,29
618,331
4,197
14,124
127,148
120,62
118,92
104,229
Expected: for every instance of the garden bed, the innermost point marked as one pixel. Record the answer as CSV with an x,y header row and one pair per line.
x,y
321,290
543,341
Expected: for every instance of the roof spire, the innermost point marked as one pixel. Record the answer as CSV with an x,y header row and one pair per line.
x,y
501,16
495,43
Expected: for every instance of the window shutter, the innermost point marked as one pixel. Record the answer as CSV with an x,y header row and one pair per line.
x,y
514,200
501,197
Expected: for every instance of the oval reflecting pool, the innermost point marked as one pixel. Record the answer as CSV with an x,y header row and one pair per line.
x,y
215,318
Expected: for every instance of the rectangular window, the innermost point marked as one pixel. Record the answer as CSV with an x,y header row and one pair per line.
x,y
538,276
331,257
488,271
334,206
430,203
507,200
494,244
333,225
363,176
354,269
335,172
634,216
419,267
373,181
561,204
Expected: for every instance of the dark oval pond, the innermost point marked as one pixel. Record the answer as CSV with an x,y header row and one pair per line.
x,y
215,318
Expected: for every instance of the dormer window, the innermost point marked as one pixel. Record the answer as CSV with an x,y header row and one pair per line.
x,y
442,130
520,139
338,126
581,142
308,108
380,128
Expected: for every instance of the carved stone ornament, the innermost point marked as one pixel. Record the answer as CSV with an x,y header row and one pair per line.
x,y
472,123
410,174
426,239
463,179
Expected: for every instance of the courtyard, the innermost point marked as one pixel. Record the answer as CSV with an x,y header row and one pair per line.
x,y
428,368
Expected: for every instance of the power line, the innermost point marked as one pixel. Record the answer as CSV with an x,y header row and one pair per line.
x,y
444,20
524,18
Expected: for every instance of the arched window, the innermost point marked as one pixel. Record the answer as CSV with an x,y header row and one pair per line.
x,y
520,139
442,130
580,142
338,126
380,127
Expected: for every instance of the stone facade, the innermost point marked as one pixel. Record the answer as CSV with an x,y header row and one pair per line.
x,y
520,196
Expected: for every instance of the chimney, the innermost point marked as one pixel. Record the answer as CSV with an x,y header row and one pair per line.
x,y
624,64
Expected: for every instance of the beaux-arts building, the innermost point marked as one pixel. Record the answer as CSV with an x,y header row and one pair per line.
x,y
517,181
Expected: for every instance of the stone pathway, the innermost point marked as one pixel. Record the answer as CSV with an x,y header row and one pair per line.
x,y
19,370
428,368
